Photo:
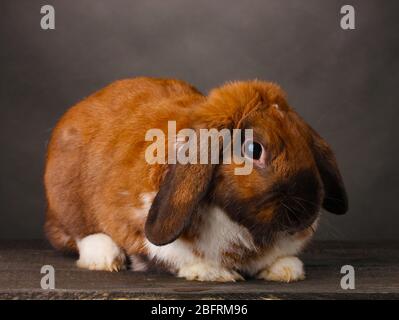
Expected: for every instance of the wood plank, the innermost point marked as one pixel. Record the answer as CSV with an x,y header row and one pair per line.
x,y
376,266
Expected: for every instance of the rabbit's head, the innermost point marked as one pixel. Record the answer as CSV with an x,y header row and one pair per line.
x,y
294,172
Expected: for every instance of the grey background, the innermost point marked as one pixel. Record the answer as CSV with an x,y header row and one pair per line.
x,y
344,83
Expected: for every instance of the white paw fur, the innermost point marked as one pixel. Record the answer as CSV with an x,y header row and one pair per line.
x,y
286,269
202,271
99,252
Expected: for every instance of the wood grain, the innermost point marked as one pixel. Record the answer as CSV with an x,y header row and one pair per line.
x,y
376,266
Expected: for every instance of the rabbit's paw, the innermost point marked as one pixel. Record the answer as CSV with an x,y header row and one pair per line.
x,y
100,252
202,271
286,269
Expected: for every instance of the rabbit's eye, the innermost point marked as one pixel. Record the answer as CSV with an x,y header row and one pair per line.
x,y
252,150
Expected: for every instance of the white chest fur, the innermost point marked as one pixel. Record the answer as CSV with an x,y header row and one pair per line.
x,y
203,258
218,233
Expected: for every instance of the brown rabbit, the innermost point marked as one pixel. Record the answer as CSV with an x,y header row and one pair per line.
x,y
200,221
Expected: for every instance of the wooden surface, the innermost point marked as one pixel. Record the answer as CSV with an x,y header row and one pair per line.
x,y
376,267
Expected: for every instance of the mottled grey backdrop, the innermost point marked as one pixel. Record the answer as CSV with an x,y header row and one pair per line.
x,y
344,83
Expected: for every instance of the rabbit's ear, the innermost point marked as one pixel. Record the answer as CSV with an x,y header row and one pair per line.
x,y
183,187
181,191
335,197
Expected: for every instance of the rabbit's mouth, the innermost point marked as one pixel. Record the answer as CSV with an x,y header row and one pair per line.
x,y
290,205
292,220
298,203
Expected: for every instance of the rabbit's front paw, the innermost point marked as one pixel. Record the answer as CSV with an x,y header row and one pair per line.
x,y
286,269
202,271
99,252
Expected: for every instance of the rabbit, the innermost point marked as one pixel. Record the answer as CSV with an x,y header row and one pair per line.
x,y
201,222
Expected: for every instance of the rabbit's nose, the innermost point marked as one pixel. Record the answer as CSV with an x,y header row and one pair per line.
x,y
300,201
